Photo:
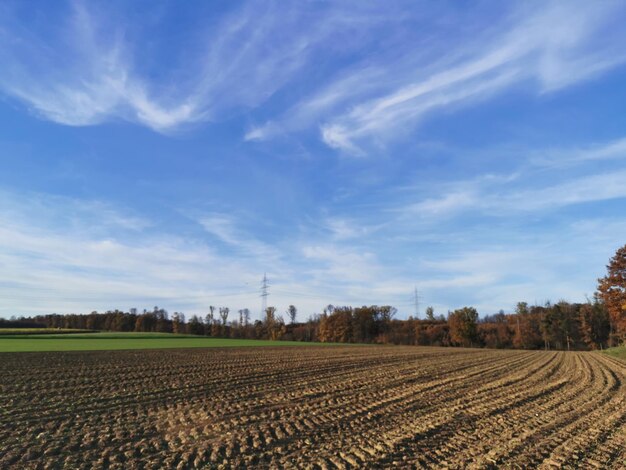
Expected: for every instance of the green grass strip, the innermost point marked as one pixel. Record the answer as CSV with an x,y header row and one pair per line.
x,y
619,352
40,331
122,341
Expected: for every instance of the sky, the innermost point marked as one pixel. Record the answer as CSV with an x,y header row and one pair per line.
x,y
171,153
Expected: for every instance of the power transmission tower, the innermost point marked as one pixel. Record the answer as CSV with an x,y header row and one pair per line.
x,y
264,293
416,299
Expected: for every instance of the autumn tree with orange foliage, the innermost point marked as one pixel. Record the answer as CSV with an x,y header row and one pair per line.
x,y
612,289
594,324
463,326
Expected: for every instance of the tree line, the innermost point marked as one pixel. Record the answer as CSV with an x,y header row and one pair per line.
x,y
552,326
596,324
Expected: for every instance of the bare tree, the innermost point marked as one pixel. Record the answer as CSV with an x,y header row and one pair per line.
x,y
224,314
270,315
292,311
178,322
274,325
430,313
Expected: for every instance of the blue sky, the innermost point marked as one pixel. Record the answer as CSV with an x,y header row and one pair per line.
x,y
168,153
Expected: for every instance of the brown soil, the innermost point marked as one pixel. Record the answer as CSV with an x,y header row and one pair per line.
x,y
340,407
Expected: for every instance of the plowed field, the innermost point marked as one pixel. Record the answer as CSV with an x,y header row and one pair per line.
x,y
339,407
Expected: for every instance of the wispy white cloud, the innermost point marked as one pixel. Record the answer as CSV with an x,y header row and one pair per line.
x,y
342,264
498,198
83,76
342,228
554,158
556,46
533,268
227,229
87,259
309,111
599,187
262,132
65,213
444,205
90,74
60,254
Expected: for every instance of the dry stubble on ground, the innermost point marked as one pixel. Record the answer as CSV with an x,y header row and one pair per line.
x,y
339,407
